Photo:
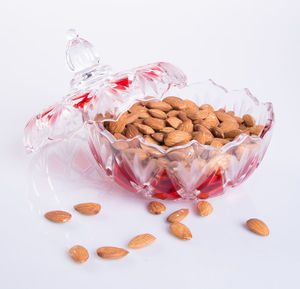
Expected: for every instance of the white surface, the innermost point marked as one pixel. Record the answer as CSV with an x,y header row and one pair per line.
x,y
239,44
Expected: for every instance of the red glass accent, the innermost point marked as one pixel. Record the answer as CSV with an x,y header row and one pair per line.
x,y
122,178
84,100
48,111
123,83
212,186
164,188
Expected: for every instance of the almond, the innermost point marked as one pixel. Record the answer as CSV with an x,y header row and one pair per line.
x,y
131,131
58,216
200,137
180,231
216,144
186,126
161,105
173,113
111,252
175,102
227,126
79,254
249,120
158,113
233,133
217,132
149,139
137,107
207,107
257,226
88,208
223,116
143,114
257,129
190,106
167,129
198,114
178,215
176,137
99,117
230,112
222,140
210,121
177,155
141,241
118,135
145,129
156,207
131,118
204,208
119,125
183,116
174,121
239,119
155,123
158,136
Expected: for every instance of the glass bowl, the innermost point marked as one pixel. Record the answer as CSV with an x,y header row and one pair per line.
x,y
189,171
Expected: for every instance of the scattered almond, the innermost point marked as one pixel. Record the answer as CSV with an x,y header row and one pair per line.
x,y
204,208
79,254
141,241
156,207
257,226
111,252
178,215
58,216
88,208
180,231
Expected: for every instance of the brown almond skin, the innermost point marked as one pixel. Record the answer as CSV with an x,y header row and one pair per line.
x,y
259,227
119,125
156,208
158,113
174,121
137,107
149,139
223,116
227,126
233,133
210,121
180,231
198,114
131,131
141,241
176,137
204,208
118,135
207,107
159,105
155,123
167,129
249,120
58,216
158,136
177,216
216,144
190,106
183,116
131,118
145,129
173,113
111,253
79,254
257,129
217,132
200,137
187,126
175,102
88,208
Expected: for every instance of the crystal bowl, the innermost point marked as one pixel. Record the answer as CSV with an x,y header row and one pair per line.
x,y
193,170
190,171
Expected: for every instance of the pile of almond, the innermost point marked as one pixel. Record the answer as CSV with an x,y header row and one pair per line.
x,y
175,121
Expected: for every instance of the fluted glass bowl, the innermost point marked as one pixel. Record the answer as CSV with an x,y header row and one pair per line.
x,y
190,171
193,170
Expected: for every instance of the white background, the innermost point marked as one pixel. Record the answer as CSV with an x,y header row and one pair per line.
x,y
252,44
